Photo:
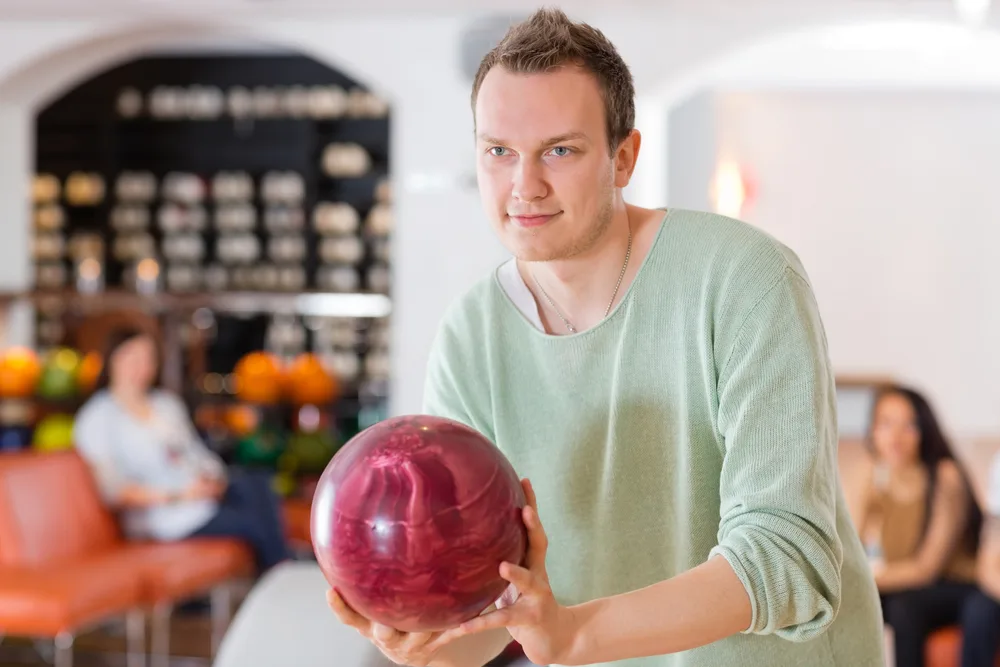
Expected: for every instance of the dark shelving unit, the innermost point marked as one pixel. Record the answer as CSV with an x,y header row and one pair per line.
x,y
86,130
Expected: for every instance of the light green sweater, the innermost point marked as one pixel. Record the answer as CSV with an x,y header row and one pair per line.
x,y
698,419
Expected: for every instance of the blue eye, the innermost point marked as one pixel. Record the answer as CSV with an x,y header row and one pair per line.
x,y
493,151
565,151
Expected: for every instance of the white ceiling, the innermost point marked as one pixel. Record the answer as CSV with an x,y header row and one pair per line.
x,y
18,9
63,9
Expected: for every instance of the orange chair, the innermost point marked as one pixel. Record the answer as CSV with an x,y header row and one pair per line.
x,y
58,571
296,514
65,567
944,648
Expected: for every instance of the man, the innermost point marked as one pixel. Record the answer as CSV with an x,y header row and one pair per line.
x,y
981,613
661,378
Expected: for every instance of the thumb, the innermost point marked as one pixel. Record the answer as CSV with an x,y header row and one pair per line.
x,y
508,597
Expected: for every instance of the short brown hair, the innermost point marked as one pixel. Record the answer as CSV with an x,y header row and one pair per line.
x,y
547,40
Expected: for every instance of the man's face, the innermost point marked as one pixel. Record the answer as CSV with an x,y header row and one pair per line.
x,y
545,174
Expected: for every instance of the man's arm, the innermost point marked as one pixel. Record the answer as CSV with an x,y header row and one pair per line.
x,y
695,608
654,621
779,485
776,567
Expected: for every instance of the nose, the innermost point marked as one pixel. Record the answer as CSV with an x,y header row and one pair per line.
x,y
529,183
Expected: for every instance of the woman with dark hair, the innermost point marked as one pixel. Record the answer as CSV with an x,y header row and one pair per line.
x,y
154,470
921,514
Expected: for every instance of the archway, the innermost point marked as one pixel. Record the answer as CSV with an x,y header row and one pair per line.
x,y
288,238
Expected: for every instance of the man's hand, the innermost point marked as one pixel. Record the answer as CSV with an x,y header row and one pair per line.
x,y
547,631
416,649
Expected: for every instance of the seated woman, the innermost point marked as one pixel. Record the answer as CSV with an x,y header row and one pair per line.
x,y
153,469
919,512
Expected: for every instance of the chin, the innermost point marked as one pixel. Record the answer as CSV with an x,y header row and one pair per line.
x,y
529,253
526,246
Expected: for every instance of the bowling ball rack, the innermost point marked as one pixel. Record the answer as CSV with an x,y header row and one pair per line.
x,y
205,330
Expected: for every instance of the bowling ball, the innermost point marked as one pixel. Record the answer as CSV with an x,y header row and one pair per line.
x,y
54,433
58,379
262,447
308,381
258,378
19,371
241,420
312,452
283,484
411,520
89,371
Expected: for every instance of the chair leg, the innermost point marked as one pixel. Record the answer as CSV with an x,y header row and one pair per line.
x,y
64,649
222,609
135,634
160,644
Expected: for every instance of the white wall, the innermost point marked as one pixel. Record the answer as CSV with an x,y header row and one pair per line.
x,y
691,137
891,201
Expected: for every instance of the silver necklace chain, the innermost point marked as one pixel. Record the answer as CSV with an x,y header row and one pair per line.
x,y
621,276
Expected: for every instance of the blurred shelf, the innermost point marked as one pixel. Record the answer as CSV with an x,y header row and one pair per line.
x,y
316,304
346,405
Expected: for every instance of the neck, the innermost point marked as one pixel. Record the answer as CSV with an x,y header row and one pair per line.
x,y
127,395
582,285
909,469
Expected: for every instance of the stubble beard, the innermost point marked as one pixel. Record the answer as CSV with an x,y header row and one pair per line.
x,y
576,246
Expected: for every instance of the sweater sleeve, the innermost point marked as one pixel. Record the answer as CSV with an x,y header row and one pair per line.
x,y
93,439
777,416
202,458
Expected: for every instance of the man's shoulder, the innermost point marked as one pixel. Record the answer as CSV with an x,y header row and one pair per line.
x,y
470,308
728,260
728,243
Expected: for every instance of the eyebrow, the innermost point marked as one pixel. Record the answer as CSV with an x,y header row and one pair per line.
x,y
568,136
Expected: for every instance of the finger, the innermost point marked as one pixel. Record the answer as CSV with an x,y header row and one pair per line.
x,y
508,598
345,614
415,641
529,493
387,637
442,639
538,541
503,618
523,579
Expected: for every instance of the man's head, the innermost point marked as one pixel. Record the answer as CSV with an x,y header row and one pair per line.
x,y
554,108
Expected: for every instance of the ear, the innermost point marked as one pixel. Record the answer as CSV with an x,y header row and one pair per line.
x,y
625,158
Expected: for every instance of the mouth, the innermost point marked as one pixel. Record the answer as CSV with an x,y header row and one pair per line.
x,y
530,221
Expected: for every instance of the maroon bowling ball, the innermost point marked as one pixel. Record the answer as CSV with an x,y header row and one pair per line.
x,y
411,520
